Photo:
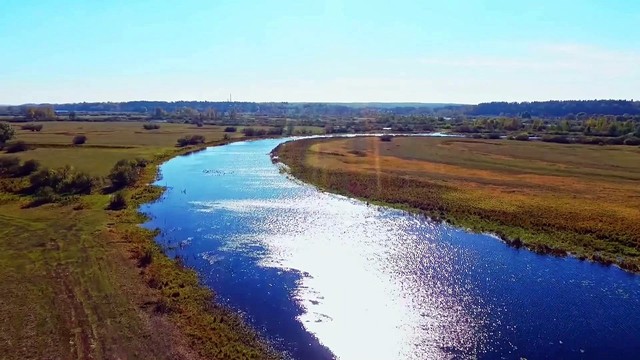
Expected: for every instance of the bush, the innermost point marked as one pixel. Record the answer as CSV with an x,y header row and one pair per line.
x,y
62,181
522,137
493,136
32,127
76,183
118,201
230,129
632,141
141,162
615,141
17,146
249,132
386,137
151,126
276,131
589,140
191,140
124,173
46,195
9,165
79,139
560,139
28,167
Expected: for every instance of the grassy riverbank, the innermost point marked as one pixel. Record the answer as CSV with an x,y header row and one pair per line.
x,y
81,281
552,198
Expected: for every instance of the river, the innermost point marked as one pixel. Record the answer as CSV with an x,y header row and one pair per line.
x,y
321,275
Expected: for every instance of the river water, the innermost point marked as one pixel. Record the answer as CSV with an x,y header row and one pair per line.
x,y
321,275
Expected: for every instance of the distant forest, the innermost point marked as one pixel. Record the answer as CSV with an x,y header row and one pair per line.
x,y
545,109
557,108
271,109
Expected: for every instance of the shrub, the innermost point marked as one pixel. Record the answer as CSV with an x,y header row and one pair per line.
x,y
9,165
615,140
76,183
386,137
557,139
17,146
522,137
46,195
226,137
141,162
150,126
6,133
124,173
32,127
632,141
276,131
248,131
230,129
28,167
118,201
190,140
62,181
79,139
589,140
493,136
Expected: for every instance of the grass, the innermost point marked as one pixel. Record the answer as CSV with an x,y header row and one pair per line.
x,y
80,281
116,133
107,142
552,198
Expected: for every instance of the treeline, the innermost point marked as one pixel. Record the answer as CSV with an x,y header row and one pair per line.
x,y
557,108
155,108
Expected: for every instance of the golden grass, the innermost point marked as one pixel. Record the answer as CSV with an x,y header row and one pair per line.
x,y
551,197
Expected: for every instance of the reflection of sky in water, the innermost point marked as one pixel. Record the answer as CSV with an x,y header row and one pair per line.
x,y
373,283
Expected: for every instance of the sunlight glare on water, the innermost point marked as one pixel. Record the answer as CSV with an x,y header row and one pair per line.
x,y
359,300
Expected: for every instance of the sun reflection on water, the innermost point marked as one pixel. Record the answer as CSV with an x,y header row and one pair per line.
x,y
375,287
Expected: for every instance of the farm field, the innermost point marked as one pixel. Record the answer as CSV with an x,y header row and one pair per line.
x,y
552,198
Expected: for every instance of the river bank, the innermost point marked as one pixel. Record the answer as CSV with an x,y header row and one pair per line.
x,y
499,187
213,330
81,280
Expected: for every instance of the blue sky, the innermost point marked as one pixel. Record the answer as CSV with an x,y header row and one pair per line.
x,y
334,50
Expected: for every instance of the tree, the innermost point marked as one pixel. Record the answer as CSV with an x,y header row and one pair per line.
x,y
72,115
159,113
40,113
6,133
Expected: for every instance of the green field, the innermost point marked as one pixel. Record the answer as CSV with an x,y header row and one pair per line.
x,y
553,198
84,282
